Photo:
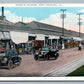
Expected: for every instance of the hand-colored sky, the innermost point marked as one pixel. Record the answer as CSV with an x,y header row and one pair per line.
x,y
40,13
48,15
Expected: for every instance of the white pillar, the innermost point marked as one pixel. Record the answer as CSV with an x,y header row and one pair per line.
x,y
57,41
44,42
68,41
80,44
63,47
74,41
7,46
51,41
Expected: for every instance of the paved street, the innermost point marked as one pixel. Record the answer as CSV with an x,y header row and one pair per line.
x,y
29,67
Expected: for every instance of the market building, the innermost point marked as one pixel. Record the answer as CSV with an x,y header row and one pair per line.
x,y
50,35
40,31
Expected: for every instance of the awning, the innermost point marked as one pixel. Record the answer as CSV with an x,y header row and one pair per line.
x,y
19,37
40,37
54,37
66,37
4,35
31,34
1,35
82,39
77,38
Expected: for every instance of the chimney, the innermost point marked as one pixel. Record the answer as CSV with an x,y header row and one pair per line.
x,y
2,11
2,17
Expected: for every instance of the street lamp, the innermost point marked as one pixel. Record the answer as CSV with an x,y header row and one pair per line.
x,y
63,16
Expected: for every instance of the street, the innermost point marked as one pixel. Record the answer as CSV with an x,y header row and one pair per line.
x,y
31,68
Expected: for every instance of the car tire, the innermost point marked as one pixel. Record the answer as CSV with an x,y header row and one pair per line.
x,y
47,57
56,56
36,57
19,63
10,64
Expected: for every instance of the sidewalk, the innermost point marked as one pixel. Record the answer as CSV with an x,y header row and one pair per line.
x,y
66,69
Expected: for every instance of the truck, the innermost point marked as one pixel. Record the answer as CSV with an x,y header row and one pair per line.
x,y
34,45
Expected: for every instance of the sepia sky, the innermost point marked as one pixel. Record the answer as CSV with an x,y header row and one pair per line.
x,y
48,15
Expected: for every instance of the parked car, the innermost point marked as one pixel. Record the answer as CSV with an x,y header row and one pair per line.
x,y
10,59
46,53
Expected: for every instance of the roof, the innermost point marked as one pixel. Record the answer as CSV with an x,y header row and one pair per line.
x,y
20,23
50,29
39,28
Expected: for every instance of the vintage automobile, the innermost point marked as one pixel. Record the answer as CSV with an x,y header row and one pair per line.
x,y
10,59
46,53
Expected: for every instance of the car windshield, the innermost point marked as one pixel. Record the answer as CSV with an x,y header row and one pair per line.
x,y
53,49
11,53
45,49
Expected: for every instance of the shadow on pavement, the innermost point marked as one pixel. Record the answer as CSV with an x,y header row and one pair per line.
x,y
3,67
50,59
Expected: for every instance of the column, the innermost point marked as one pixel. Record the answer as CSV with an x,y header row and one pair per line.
x,y
68,41
63,47
44,43
51,41
57,41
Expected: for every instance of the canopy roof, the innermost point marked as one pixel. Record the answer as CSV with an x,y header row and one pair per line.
x,y
54,37
77,38
19,37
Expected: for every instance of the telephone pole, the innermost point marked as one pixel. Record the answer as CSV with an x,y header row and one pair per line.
x,y
63,16
79,23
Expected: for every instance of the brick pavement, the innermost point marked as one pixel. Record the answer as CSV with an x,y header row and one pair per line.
x,y
31,68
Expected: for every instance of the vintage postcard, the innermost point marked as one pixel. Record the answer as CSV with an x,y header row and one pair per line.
x,y
42,41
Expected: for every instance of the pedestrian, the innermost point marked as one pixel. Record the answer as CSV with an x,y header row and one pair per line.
x,y
79,47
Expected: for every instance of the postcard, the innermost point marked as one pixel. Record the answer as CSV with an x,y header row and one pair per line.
x,y
41,41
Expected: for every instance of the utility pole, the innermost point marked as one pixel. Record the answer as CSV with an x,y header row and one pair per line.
x,y
79,23
22,19
63,16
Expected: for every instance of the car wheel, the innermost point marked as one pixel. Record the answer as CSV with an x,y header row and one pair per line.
x,y
56,56
19,63
47,57
36,57
10,65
